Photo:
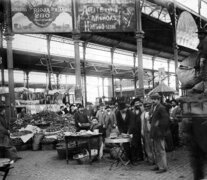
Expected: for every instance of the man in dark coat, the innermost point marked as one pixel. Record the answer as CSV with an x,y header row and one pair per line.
x,y
137,150
81,119
7,150
159,127
125,122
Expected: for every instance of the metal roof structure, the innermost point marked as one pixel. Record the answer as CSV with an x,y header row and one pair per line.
x,y
157,42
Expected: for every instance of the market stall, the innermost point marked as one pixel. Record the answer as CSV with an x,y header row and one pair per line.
x,y
46,126
163,90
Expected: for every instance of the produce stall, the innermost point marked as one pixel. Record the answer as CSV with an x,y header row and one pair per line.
x,y
42,130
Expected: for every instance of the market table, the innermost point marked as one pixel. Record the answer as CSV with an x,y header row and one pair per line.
x,y
120,141
87,137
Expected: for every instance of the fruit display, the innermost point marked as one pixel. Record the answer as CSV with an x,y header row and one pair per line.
x,y
53,129
16,141
69,118
47,116
20,133
69,129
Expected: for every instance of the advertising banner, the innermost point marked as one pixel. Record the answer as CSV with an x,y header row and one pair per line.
x,y
41,16
106,15
186,31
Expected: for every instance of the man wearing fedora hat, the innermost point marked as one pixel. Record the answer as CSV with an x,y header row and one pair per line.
x,y
159,127
125,121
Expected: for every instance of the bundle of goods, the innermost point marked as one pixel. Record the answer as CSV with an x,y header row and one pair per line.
x,y
192,73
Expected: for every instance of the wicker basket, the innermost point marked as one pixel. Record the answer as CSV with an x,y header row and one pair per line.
x,y
83,157
71,152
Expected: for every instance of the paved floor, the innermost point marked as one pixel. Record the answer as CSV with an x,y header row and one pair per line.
x,y
45,165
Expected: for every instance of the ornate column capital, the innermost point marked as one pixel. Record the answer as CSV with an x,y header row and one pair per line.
x,y
76,35
8,37
139,34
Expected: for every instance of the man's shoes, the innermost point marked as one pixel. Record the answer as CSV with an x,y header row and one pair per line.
x,y
155,169
161,171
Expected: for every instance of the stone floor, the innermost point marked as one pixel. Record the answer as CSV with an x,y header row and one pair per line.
x,y
45,165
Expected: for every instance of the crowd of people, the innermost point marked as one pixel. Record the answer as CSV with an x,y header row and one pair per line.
x,y
154,126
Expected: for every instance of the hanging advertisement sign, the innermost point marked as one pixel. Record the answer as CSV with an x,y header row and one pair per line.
x,y
186,31
41,16
106,15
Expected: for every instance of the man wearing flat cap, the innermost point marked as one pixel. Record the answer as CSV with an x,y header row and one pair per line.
x,y
159,127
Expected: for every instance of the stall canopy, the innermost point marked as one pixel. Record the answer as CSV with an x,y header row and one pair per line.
x,y
162,88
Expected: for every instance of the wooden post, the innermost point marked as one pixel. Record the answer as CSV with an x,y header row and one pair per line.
x,y
139,37
49,60
9,38
121,94
84,70
76,37
168,70
10,66
98,88
58,80
135,77
153,72
112,71
27,79
173,16
103,86
1,56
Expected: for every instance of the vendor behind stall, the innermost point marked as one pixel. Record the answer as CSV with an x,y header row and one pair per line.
x,y
7,150
95,125
61,112
81,119
72,109
67,108
22,113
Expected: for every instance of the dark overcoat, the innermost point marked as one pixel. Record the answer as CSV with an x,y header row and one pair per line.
x,y
159,122
4,134
125,126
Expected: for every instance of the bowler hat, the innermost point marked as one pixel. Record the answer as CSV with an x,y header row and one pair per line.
x,y
122,106
155,96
